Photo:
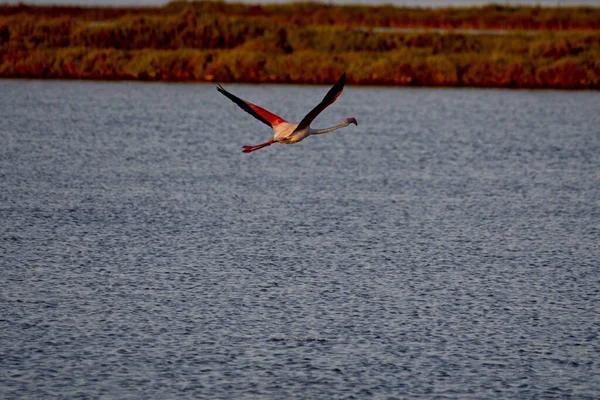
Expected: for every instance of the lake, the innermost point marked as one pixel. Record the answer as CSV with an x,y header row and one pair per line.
x,y
446,247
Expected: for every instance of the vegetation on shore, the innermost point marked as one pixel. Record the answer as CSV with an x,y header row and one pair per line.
x,y
227,42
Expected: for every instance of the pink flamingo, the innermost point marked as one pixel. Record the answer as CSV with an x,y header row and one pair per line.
x,y
283,131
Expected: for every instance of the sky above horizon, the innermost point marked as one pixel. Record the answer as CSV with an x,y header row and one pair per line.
x,y
424,3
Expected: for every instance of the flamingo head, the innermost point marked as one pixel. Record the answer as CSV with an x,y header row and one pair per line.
x,y
351,121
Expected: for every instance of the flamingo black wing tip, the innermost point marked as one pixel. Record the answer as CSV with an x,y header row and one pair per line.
x,y
340,82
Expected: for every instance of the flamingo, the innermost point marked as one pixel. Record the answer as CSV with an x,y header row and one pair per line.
x,y
283,131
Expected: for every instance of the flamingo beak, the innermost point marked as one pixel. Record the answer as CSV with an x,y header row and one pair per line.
x,y
352,121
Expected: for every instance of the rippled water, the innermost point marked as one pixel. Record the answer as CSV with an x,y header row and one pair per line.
x,y
447,247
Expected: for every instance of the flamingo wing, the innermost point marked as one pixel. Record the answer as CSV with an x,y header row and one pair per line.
x,y
329,98
257,112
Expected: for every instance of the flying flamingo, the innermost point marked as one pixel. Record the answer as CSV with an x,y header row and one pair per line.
x,y
283,131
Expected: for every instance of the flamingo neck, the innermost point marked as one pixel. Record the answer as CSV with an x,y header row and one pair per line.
x,y
333,128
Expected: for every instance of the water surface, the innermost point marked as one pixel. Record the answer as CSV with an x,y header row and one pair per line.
x,y
448,246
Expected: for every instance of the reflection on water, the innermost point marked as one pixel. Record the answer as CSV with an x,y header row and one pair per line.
x,y
447,246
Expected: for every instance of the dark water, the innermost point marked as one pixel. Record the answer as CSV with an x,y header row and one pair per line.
x,y
447,247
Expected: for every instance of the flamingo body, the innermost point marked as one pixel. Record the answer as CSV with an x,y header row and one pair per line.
x,y
283,131
287,133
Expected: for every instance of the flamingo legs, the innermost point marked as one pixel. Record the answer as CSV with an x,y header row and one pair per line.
x,y
248,149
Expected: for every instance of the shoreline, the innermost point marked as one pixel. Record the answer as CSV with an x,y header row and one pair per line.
x,y
326,84
233,66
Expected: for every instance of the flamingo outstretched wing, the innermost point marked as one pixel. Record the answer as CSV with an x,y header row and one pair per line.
x,y
329,98
257,112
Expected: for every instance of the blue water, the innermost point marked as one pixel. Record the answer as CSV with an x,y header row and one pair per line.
x,y
447,247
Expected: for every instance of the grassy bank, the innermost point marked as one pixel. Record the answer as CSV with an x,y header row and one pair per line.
x,y
208,41
487,17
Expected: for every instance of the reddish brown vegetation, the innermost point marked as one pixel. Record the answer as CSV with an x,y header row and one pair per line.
x,y
212,41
